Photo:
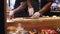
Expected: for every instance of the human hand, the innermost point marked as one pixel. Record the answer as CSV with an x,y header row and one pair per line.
x,y
31,11
11,13
36,15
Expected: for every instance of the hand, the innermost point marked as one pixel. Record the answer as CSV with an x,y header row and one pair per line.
x,y
31,11
11,13
36,15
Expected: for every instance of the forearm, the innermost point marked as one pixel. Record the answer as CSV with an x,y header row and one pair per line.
x,y
21,7
29,3
45,8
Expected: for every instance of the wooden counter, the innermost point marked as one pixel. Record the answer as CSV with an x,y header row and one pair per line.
x,y
40,23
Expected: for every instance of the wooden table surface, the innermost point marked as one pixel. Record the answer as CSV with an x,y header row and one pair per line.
x,y
38,23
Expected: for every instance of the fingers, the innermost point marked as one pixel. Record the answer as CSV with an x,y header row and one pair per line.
x,y
31,11
36,15
11,13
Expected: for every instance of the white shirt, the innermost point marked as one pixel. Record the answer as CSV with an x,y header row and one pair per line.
x,y
12,2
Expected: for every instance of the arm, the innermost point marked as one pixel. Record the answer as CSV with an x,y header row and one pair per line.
x,y
30,7
45,8
29,3
21,7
